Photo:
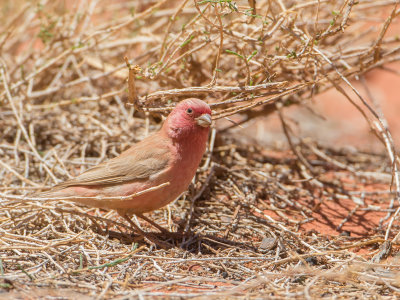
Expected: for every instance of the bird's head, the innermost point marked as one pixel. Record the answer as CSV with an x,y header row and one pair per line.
x,y
190,117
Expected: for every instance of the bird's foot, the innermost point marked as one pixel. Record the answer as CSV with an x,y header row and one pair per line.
x,y
166,232
154,240
174,235
149,236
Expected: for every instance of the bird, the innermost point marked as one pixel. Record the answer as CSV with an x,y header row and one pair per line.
x,y
155,171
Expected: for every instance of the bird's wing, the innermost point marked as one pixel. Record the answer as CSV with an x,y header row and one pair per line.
x,y
137,163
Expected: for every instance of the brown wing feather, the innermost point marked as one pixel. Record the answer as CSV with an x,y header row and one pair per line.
x,y
137,163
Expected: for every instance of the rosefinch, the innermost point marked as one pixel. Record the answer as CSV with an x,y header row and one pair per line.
x,y
171,155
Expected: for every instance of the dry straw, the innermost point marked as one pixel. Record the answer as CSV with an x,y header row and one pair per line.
x,y
64,107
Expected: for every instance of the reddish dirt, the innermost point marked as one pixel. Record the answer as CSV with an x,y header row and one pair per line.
x,y
203,286
329,213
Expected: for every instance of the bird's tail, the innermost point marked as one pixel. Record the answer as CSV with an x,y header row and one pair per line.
x,y
54,192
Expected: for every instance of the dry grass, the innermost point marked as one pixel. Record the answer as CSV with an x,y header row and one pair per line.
x,y
63,108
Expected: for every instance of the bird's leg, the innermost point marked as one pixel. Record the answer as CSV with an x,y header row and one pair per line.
x,y
162,229
146,234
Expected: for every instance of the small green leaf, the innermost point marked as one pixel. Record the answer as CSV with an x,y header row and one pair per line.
x,y
110,264
25,272
1,267
248,12
292,54
44,34
187,41
234,53
214,1
39,7
22,69
79,45
252,55
135,246
80,261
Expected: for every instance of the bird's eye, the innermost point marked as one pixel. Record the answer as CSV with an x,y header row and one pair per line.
x,y
189,111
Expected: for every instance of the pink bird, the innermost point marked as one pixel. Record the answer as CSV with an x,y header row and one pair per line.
x,y
167,159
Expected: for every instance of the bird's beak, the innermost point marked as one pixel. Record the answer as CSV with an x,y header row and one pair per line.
x,y
204,120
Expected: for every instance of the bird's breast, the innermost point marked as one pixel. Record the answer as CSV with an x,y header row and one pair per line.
x,y
184,159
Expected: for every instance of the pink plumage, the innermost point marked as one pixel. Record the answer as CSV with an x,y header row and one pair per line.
x,y
171,155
